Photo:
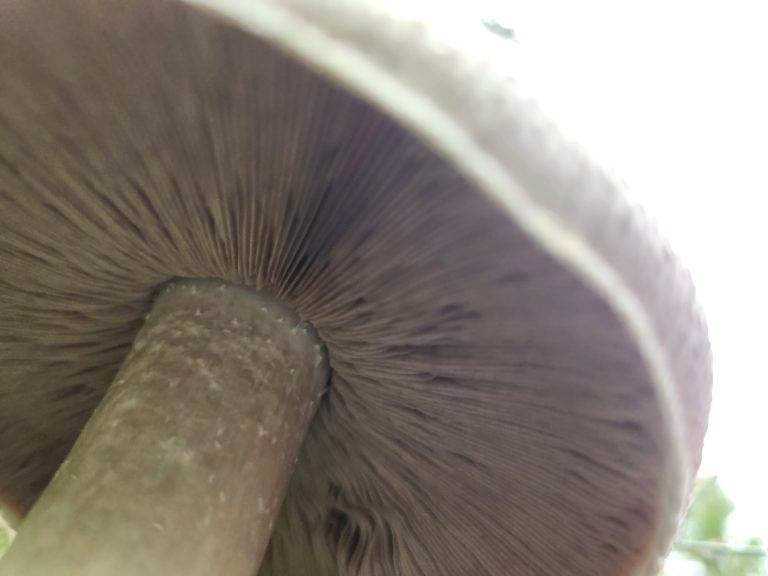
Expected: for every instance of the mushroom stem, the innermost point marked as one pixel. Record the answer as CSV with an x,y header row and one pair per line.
x,y
184,464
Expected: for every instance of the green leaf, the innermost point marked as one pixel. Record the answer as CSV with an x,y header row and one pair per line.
x,y
709,511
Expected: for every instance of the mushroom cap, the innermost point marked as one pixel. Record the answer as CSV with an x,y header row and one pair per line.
x,y
521,374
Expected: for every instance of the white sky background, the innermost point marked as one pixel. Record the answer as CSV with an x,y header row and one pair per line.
x,y
673,95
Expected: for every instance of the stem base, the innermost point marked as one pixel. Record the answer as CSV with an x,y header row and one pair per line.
x,y
184,464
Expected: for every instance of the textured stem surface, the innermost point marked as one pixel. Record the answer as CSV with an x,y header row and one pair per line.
x,y
183,466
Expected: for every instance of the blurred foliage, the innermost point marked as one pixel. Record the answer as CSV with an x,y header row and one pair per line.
x,y
708,514
702,537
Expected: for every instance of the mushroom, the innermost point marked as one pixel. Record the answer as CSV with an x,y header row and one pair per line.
x,y
306,287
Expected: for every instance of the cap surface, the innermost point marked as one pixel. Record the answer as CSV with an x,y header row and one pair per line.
x,y
520,373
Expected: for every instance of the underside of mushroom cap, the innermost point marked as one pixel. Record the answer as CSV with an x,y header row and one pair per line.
x,y
494,407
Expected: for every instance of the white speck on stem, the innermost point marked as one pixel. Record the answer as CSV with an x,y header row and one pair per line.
x,y
213,385
197,312
261,431
173,382
157,526
273,441
260,505
128,404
